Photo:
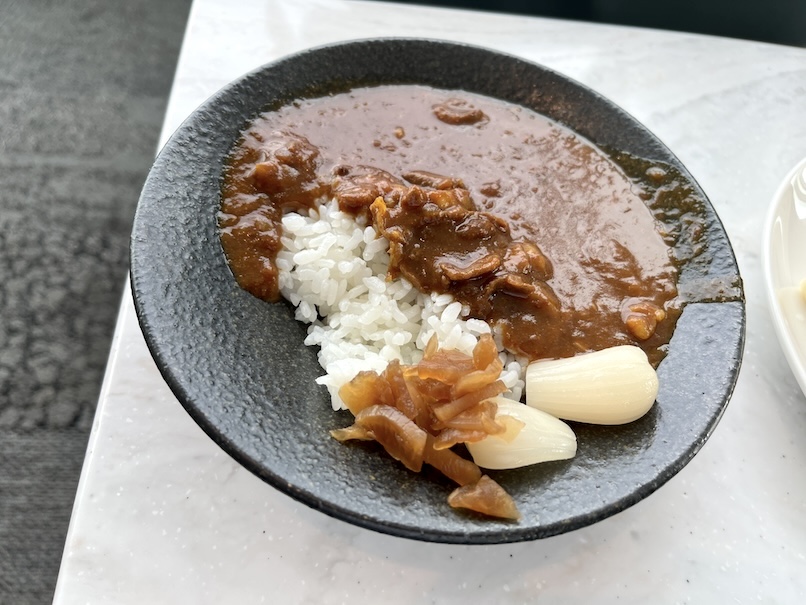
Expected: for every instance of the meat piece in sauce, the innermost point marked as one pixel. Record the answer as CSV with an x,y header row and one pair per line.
x,y
433,180
641,318
287,172
458,111
357,187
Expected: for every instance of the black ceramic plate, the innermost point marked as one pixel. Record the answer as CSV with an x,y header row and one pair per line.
x,y
240,368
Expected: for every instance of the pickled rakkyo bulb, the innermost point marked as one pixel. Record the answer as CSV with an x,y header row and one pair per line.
x,y
537,437
611,386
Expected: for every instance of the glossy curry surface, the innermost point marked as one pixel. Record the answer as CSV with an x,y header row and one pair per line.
x,y
528,224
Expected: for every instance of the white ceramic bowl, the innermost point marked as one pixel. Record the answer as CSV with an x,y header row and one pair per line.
x,y
784,252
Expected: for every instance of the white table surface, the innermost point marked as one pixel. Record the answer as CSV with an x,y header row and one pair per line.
x,y
162,515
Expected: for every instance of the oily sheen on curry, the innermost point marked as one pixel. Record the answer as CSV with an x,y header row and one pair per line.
x,y
526,223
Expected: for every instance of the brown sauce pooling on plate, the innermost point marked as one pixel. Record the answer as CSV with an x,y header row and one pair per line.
x,y
530,225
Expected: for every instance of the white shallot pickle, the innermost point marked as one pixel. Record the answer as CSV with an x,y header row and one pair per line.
x,y
611,386
542,438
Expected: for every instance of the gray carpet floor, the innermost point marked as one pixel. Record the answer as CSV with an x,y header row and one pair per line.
x,y
83,89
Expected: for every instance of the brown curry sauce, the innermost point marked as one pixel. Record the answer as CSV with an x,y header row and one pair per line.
x,y
530,225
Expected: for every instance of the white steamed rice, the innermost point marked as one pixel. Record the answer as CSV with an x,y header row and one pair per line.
x,y
333,270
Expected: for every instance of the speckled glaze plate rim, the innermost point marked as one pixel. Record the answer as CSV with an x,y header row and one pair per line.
x,y
240,369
